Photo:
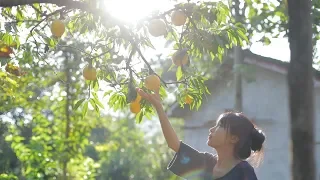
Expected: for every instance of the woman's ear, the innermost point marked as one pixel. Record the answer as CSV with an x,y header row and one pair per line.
x,y
234,139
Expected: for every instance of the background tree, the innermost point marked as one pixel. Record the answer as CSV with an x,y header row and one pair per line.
x,y
300,80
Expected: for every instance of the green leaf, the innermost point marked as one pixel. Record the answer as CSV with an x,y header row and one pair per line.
x,y
17,41
7,39
139,116
242,35
19,15
107,93
172,65
179,73
76,106
95,85
36,5
85,109
51,42
96,100
18,138
95,95
9,138
266,40
94,105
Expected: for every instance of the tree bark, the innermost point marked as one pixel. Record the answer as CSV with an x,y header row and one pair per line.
x,y
238,79
67,111
238,59
300,81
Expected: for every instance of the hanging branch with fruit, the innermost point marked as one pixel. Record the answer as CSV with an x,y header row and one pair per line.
x,y
198,31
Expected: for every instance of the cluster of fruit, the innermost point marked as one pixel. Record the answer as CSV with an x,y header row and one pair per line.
x,y
5,52
152,82
156,28
15,70
57,29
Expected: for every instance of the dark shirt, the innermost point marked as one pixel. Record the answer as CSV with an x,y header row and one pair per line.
x,y
191,164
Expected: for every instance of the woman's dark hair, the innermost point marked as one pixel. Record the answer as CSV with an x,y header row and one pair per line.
x,y
250,143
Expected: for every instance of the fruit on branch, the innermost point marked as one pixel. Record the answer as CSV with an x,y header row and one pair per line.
x,y
188,99
5,51
180,57
152,82
57,28
90,73
135,107
178,18
157,28
138,98
15,70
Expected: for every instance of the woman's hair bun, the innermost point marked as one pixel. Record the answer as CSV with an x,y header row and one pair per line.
x,y
257,138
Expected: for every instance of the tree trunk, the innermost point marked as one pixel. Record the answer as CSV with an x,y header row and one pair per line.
x,y
67,111
300,81
238,79
238,58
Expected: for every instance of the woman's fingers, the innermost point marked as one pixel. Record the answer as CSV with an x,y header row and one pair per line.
x,y
143,94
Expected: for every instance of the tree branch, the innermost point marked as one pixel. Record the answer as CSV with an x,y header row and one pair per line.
x,y
71,4
67,3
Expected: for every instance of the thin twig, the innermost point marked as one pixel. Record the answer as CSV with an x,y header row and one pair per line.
x,y
75,48
195,26
23,21
177,82
37,10
97,56
159,15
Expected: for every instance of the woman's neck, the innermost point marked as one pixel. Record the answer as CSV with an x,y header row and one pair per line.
x,y
226,158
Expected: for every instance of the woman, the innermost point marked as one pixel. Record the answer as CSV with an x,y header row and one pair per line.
x,y
234,138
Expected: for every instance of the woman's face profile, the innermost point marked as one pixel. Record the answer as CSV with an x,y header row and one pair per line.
x,y
219,136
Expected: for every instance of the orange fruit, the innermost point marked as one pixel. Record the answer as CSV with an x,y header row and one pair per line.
x,y
90,73
135,107
180,58
157,28
5,51
188,99
138,98
178,18
57,28
152,82
15,70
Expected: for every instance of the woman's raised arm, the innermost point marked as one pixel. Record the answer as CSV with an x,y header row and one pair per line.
x,y
169,134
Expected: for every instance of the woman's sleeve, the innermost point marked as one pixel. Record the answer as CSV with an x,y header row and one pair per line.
x,y
188,161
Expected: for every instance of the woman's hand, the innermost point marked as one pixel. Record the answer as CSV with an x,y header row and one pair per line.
x,y
154,99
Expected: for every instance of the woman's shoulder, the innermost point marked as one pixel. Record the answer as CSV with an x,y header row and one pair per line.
x,y
247,170
245,165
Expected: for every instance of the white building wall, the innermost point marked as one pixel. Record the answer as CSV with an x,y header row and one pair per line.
x,y
266,100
